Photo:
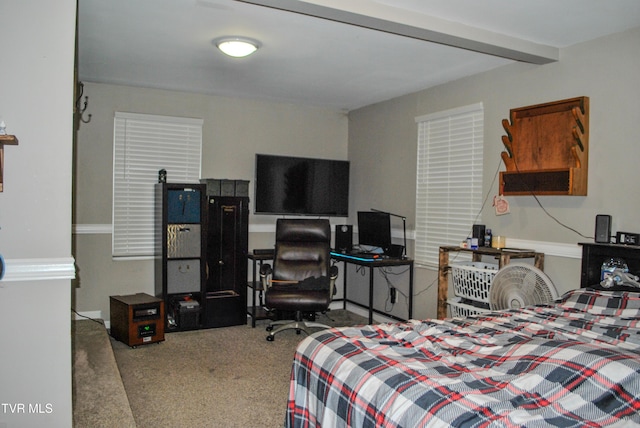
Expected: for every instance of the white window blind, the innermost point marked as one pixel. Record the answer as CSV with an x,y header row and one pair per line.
x,y
449,179
143,145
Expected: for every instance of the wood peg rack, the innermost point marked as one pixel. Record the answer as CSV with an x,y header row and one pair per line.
x,y
547,149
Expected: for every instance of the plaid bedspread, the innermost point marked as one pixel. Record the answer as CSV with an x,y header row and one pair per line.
x,y
576,363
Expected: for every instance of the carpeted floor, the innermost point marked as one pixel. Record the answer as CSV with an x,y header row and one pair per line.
x,y
222,377
99,397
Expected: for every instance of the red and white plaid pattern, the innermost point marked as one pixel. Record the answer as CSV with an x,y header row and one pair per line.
x,y
576,363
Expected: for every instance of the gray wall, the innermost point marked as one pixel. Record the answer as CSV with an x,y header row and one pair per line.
x,y
382,149
234,131
36,99
380,142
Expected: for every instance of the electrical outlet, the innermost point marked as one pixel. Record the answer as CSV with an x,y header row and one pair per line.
x,y
392,294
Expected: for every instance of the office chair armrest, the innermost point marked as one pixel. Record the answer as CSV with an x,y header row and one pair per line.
x,y
265,269
265,273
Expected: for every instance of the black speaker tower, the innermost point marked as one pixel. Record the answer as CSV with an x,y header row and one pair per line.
x,y
344,238
603,228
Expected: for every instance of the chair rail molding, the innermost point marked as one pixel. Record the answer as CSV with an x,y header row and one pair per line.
x,y
558,249
92,229
572,251
39,269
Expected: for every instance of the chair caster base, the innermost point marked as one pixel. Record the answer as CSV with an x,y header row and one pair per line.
x,y
298,326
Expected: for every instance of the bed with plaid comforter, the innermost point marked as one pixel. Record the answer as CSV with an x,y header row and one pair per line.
x,y
575,363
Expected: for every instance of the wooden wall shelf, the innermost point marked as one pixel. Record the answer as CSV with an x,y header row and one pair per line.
x,y
5,140
547,149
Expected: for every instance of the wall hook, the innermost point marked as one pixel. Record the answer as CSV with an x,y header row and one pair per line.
x,y
81,110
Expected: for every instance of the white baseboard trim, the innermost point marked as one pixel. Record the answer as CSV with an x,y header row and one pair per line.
x,y
361,311
39,269
96,315
91,315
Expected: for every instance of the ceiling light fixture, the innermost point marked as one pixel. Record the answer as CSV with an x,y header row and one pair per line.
x,y
237,47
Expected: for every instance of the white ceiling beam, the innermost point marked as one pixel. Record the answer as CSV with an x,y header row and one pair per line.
x,y
377,16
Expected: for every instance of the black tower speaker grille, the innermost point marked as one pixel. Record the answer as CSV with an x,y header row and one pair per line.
x,y
603,228
344,238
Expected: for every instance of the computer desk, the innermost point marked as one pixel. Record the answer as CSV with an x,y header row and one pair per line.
x,y
373,264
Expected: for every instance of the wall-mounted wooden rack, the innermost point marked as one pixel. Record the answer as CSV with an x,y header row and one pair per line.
x,y
547,149
5,140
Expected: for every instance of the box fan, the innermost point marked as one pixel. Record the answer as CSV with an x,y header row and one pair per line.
x,y
517,285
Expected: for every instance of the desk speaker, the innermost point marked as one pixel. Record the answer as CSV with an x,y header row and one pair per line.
x,y
478,232
344,238
603,228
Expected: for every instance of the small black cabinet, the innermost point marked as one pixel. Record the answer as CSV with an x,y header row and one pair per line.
x,y
593,255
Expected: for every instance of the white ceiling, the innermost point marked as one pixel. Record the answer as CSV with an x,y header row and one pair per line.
x,y
331,53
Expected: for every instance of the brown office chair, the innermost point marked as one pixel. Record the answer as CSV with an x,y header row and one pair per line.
x,y
302,280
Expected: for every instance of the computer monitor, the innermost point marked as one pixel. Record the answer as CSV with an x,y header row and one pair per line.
x,y
374,230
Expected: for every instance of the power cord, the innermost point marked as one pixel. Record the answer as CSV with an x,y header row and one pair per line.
x,y
99,321
393,291
530,190
486,197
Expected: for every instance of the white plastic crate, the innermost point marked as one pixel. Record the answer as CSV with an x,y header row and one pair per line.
x,y
472,280
463,310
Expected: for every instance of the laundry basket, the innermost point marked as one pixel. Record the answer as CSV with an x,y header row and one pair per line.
x,y
471,280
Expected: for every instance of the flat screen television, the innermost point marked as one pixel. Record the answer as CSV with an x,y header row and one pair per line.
x,y
374,230
301,186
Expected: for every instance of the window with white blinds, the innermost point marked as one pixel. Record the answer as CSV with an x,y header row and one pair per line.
x,y
143,145
449,179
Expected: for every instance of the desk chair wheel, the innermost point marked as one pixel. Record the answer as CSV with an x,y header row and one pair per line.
x,y
269,328
270,338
